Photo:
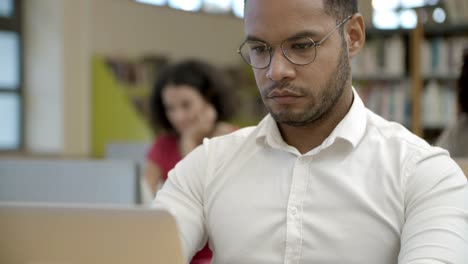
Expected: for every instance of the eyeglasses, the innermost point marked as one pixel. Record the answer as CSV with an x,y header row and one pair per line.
x,y
298,50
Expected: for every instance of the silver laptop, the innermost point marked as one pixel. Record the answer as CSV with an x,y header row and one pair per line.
x,y
74,234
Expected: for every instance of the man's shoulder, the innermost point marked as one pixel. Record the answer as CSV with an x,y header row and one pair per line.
x,y
395,134
393,144
229,146
236,137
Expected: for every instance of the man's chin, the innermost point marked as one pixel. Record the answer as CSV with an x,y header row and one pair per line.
x,y
295,119
288,119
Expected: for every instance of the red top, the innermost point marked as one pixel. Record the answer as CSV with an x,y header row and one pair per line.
x,y
165,153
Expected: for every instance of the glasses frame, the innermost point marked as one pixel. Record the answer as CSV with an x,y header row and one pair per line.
x,y
285,52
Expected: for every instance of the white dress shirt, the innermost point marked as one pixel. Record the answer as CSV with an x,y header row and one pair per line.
x,y
371,193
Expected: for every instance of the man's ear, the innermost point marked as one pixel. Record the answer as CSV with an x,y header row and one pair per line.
x,y
355,33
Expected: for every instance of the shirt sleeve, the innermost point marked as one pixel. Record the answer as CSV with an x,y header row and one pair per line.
x,y
436,211
182,195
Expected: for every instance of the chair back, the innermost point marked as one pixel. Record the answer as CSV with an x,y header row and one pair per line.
x,y
69,181
135,151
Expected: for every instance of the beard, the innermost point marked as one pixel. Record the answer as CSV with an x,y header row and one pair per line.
x,y
321,104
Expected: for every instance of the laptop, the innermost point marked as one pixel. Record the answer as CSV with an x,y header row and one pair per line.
x,y
75,234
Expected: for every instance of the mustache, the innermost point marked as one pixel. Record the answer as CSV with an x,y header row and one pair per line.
x,y
283,86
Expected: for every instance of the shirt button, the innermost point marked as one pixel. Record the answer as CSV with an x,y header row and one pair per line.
x,y
293,211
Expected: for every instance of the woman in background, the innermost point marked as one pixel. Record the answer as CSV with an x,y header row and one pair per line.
x,y
190,101
455,137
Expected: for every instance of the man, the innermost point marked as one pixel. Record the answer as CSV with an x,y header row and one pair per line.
x,y
321,179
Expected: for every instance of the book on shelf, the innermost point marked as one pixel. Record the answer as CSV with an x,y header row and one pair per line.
x,y
439,107
381,56
457,11
442,56
389,99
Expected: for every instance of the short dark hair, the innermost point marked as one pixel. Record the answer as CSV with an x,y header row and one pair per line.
x,y
212,83
463,84
339,9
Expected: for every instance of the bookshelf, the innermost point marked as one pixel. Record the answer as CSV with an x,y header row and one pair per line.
x,y
380,74
409,76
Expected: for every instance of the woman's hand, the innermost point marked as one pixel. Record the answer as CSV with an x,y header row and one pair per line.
x,y
204,125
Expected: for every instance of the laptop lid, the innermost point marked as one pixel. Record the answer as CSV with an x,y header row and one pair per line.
x,y
59,234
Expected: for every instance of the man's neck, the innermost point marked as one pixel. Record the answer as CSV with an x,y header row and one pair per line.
x,y
306,138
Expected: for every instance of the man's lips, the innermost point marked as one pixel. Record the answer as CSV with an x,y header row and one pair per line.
x,y
282,93
283,96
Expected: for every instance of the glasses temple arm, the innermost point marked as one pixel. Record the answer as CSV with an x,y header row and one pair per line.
x,y
331,32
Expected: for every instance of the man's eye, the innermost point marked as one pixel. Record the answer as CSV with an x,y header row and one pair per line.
x,y
302,45
259,49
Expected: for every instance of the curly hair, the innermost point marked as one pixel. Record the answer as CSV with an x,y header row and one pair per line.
x,y
210,82
463,84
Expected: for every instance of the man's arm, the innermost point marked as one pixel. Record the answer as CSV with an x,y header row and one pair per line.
x,y
436,204
182,195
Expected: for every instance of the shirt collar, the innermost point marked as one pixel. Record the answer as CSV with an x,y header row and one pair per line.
x,y
351,128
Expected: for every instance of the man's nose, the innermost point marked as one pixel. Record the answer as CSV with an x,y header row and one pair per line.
x,y
280,67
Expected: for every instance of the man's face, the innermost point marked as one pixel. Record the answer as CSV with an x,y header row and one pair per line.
x,y
298,95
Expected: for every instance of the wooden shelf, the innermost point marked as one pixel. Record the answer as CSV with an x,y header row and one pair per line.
x,y
429,30
382,77
416,38
445,30
371,31
440,77
414,44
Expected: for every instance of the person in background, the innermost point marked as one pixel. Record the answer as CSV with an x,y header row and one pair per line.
x,y
455,137
321,179
191,100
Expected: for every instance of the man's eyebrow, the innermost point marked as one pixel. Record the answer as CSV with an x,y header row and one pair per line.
x,y
304,33
254,38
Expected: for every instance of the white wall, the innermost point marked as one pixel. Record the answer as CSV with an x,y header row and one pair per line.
x,y
77,77
44,106
126,27
62,35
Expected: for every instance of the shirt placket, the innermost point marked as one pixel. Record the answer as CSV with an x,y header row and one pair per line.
x,y
295,212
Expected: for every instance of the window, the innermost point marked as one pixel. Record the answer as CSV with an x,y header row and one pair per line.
x,y
235,7
10,76
153,2
186,5
9,121
9,64
6,8
393,14
217,6
238,8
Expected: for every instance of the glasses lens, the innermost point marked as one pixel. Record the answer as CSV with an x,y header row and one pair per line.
x,y
255,53
300,50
